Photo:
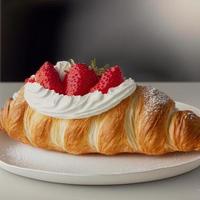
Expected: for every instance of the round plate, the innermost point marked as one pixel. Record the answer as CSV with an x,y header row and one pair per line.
x,y
93,169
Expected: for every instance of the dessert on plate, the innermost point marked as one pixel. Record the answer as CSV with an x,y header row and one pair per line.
x,y
79,109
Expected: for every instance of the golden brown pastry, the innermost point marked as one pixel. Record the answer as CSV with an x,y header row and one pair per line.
x,y
145,122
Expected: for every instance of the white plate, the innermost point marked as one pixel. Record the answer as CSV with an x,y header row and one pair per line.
x,y
57,167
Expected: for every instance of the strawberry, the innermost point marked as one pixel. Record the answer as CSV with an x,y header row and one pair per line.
x,y
112,77
48,77
31,79
79,80
65,80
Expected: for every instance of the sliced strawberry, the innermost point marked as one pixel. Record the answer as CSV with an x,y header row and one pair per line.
x,y
79,80
48,77
112,77
31,79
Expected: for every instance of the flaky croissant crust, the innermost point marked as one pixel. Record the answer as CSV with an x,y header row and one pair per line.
x,y
146,122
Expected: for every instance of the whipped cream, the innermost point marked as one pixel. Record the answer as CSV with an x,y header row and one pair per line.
x,y
61,106
62,67
15,95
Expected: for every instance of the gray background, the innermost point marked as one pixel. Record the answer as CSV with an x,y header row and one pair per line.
x,y
151,40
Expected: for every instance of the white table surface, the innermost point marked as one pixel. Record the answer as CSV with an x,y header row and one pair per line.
x,y
184,187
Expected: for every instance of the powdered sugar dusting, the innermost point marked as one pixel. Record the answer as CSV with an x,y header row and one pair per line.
x,y
190,115
154,100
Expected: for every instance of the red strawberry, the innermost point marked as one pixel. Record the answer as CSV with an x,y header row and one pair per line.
x,y
65,80
31,79
79,80
112,77
48,77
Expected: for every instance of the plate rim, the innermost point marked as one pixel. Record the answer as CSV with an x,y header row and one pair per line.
x,y
5,165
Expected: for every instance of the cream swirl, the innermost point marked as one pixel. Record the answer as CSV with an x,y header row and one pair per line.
x,y
55,105
61,67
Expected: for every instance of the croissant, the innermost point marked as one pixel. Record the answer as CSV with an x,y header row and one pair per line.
x,y
146,122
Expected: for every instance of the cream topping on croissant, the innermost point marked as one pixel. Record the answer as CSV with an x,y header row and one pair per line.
x,y
61,106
